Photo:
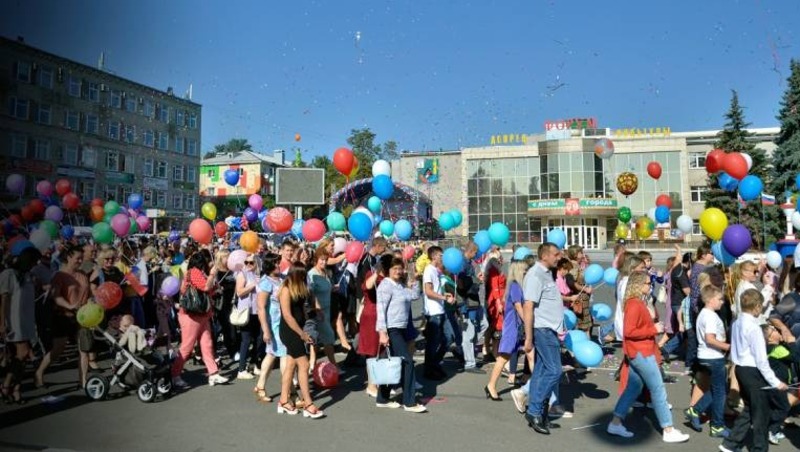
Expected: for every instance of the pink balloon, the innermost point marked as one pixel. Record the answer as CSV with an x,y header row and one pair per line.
x,y
256,202
54,213
408,252
354,251
121,224
170,286
44,188
143,222
313,230
339,245
236,260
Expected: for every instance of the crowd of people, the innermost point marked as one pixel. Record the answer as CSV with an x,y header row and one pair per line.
x,y
290,305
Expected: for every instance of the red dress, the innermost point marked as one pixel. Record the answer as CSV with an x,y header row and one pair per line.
x,y
496,288
368,340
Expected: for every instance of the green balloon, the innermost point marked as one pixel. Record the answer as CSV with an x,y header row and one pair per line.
x,y
134,228
102,233
90,315
336,221
51,227
111,208
624,214
107,217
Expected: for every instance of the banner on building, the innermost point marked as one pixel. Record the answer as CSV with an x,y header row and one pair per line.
x,y
428,171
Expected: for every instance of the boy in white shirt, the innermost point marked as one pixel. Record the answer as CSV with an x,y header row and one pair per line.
x,y
711,349
434,315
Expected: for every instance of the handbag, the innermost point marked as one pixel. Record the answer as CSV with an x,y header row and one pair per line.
x,y
239,317
194,301
385,371
661,294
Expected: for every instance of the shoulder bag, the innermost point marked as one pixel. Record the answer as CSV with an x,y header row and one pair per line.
x,y
239,317
194,301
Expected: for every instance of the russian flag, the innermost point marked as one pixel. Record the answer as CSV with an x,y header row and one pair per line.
x,y
742,203
767,200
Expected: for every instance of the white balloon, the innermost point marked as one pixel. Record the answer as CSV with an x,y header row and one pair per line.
x,y
796,220
684,223
652,214
339,245
366,211
797,257
40,238
749,160
774,259
381,167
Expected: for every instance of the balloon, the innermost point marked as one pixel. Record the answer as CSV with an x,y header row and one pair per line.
x,y
97,202
326,375
279,220
386,227
750,188
249,241
27,213
336,221
51,227
297,228
664,200
737,239
749,160
403,229
714,161
354,171
685,224
37,207
644,227
610,276
366,212
339,245
360,226
457,217
70,201
601,312
107,217
174,236
200,231
236,260
521,253
313,230
143,221
111,208
721,254
627,183
408,252
588,353
44,188
570,319
209,211
651,214
20,246
15,183
604,148
735,165
624,214
654,170
90,315
231,177
297,137
170,286
343,161
96,213
797,181
135,201
796,220
593,274
102,232
483,241
134,228
250,214
220,228
453,260
40,239
255,201
382,186
54,213
713,222
381,168
662,214
353,252
374,204
726,182
264,225
557,237
63,186
109,294
774,259
573,337
446,221
499,234
120,224
67,232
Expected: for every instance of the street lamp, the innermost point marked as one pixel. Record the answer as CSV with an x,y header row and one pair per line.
x,y
787,246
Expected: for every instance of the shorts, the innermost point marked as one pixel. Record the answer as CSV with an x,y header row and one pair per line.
x,y
85,340
64,326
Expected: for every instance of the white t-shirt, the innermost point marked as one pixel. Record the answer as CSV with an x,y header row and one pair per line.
x,y
709,322
431,275
622,285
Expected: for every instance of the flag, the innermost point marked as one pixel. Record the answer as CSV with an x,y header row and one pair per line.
x,y
767,200
742,203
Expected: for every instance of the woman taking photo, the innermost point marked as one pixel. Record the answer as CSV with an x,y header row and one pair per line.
x,y
246,284
368,340
269,316
321,287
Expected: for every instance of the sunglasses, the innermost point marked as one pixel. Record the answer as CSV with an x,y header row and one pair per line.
x,y
249,262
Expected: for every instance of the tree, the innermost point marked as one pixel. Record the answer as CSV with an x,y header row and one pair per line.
x,y
209,155
233,145
362,142
786,158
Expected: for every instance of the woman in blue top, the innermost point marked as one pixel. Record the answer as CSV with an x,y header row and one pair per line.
x,y
320,285
269,316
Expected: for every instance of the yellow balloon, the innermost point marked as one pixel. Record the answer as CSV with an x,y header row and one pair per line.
x,y
622,231
90,315
209,211
713,222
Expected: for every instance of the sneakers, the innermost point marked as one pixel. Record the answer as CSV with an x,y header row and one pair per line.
x,y
694,419
244,375
178,383
236,356
256,371
391,404
722,448
558,411
519,399
216,379
395,391
775,438
722,432
675,436
415,409
618,430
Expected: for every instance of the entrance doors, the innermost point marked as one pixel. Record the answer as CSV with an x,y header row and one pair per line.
x,y
584,232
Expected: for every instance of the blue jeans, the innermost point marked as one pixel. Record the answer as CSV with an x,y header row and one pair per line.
x,y
434,342
452,335
469,335
546,371
399,348
645,371
715,399
691,347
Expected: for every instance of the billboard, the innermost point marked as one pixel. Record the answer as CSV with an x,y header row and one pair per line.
x,y
300,186
428,171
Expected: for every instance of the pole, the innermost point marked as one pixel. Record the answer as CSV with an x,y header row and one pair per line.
x,y
763,227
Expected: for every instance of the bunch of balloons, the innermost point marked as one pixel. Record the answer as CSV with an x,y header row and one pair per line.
x,y
450,219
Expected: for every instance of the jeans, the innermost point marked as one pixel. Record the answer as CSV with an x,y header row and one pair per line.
x,y
469,335
756,411
691,347
137,311
434,341
673,344
452,335
251,331
645,371
546,371
715,399
399,347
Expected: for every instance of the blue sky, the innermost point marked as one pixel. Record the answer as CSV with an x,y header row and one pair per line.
x,y
431,74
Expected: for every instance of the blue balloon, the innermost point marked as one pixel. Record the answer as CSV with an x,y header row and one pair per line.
x,y
174,236
557,237
231,177
457,217
662,214
297,228
250,214
726,182
20,246
601,312
721,254
360,226
588,353
67,231
446,221
386,227
499,234
262,215
378,219
573,337
750,187
453,260
521,253
593,274
382,186
483,241
570,319
610,276
797,181
135,201
374,204
403,229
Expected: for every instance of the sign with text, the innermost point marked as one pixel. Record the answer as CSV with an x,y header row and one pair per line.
x,y
509,138
155,183
428,171
642,133
119,178
571,124
572,206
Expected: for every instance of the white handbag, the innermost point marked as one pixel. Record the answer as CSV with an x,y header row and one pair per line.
x,y
239,317
385,371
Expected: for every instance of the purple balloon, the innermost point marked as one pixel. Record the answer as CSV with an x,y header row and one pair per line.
x,y
251,214
54,213
265,225
174,236
736,239
15,183
170,286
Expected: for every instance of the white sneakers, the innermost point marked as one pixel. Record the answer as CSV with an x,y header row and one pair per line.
x,y
244,375
415,409
675,436
520,400
391,404
216,379
618,430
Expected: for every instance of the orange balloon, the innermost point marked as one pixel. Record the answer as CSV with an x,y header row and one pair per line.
x,y
97,202
297,137
96,213
200,231
249,241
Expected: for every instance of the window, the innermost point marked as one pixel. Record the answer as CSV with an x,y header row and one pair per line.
x,y
193,120
190,202
23,72
148,167
212,191
89,157
110,192
148,138
112,160
19,146
161,199
180,117
46,77
74,86
163,141
92,124
19,108
697,160
43,114
191,174
129,165
72,120
179,143
70,154
177,173
191,147
161,170
86,190
94,92
113,130
177,201
148,196
41,150
163,114
116,99
130,134
698,193
148,109
130,104
124,192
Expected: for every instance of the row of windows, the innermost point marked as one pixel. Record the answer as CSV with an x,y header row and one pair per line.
x,y
46,77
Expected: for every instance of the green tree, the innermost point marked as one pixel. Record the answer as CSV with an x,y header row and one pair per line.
x,y
233,145
786,158
362,142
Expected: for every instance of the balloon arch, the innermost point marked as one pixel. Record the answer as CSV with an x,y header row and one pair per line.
x,y
406,202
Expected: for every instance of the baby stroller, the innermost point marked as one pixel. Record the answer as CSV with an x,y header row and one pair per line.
x,y
148,372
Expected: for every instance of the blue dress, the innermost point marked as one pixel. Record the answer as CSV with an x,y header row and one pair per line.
x,y
272,285
510,338
321,287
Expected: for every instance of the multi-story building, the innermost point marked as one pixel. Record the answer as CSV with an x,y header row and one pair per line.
x,y
108,135
256,176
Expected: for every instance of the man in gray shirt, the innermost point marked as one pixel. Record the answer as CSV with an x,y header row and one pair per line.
x,y
543,314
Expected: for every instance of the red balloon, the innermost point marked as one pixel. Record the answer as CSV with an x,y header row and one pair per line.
x,y
63,186
354,251
200,231
313,230
279,220
343,161
97,202
70,201
27,213
15,220
735,165
37,206
325,374
664,200
654,170
108,295
714,161
221,228
97,213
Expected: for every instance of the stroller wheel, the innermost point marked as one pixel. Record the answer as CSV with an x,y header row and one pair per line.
x,y
97,387
164,385
146,392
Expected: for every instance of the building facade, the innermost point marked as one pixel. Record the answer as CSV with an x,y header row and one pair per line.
x,y
256,176
109,136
